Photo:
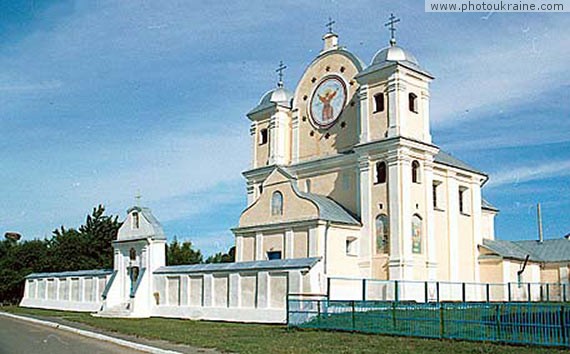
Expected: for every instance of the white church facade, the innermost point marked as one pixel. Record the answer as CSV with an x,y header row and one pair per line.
x,y
345,183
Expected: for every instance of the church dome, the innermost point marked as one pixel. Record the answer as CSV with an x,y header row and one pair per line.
x,y
395,54
277,96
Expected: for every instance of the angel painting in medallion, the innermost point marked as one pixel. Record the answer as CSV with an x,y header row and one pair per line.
x,y
328,110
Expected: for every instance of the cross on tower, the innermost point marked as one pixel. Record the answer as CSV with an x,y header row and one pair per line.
x,y
280,73
392,28
330,24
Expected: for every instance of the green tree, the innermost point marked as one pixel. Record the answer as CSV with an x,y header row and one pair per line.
x,y
221,257
88,247
182,253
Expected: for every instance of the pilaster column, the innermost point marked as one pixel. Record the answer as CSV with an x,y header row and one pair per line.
x,y
431,244
397,110
253,134
477,228
366,238
452,226
239,248
363,114
313,242
399,183
289,244
295,136
207,290
259,246
426,116
262,290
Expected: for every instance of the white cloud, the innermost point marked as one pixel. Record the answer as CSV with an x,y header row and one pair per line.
x,y
530,172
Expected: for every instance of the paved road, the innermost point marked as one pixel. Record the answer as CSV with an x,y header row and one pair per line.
x,y
20,337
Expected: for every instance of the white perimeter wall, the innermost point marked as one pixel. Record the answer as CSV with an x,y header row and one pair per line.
x,y
81,293
249,296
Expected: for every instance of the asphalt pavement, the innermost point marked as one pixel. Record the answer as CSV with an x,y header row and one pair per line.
x,y
20,337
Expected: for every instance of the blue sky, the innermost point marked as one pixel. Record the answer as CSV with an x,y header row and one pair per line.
x,y
102,99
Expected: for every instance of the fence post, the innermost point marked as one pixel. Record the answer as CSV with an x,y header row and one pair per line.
x,y
463,297
563,324
394,315
488,291
498,320
509,291
319,313
329,288
288,309
564,291
441,321
364,289
426,292
547,292
437,291
353,316
528,292
396,292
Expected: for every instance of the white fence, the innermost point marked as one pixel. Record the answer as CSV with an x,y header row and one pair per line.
x,y
433,291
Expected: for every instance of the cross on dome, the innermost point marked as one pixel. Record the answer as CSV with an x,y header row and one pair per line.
x,y
330,24
390,24
280,70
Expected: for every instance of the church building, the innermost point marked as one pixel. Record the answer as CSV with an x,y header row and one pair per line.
x,y
345,183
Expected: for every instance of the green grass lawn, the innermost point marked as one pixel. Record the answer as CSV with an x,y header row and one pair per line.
x,y
253,338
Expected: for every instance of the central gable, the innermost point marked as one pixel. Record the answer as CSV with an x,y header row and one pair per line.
x,y
294,208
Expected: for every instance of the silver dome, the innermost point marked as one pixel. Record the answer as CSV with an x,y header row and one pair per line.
x,y
278,95
394,53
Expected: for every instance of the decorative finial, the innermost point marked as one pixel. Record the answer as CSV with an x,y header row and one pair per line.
x,y
330,24
390,24
138,197
280,73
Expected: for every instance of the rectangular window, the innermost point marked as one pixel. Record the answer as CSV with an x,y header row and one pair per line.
x,y
351,246
271,255
436,193
263,137
464,200
378,102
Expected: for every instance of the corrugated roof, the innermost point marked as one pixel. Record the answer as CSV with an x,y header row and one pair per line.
x,y
70,274
552,250
241,266
449,160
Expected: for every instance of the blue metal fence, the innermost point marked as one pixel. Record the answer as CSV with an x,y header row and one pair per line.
x,y
521,322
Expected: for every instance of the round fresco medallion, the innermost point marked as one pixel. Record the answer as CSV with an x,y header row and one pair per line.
x,y
327,101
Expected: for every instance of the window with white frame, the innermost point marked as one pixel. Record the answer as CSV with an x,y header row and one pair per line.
x,y
351,246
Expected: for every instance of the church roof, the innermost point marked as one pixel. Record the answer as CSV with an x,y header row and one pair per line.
x,y
552,250
155,231
445,158
278,95
486,205
392,55
329,210
280,264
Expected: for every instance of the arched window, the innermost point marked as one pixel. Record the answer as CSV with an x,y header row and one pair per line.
x,y
277,203
382,234
133,254
136,220
380,172
416,178
416,234
413,102
379,102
